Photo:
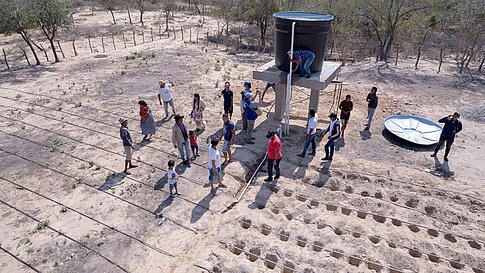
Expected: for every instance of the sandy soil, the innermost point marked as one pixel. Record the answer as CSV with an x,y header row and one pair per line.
x,y
381,205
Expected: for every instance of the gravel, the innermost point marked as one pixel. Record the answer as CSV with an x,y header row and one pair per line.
x,y
474,113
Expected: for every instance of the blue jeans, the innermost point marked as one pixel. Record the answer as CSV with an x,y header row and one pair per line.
x,y
311,139
184,147
305,66
329,148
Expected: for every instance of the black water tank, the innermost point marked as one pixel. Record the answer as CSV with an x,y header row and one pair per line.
x,y
311,32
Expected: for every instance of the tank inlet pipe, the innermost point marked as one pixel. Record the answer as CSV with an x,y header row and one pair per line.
x,y
288,82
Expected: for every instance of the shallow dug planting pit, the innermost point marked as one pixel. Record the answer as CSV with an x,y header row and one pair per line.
x,y
301,241
475,245
378,195
336,254
275,210
246,223
380,219
338,231
356,234
415,253
396,222
320,225
289,216
349,189
414,228
394,198
354,261
361,214
433,232
314,203
450,238
317,246
331,207
457,264
477,270
288,193
307,220
238,248
394,271
433,257
346,211
288,267
271,260
374,239
265,229
284,236
374,266
301,198
254,254
274,188
392,245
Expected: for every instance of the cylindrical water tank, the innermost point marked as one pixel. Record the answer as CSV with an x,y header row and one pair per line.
x,y
311,32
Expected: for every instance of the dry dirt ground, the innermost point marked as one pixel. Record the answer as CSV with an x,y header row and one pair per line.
x,y
381,205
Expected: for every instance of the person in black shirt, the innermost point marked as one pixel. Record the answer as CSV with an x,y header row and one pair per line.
x,y
228,99
373,100
345,107
451,128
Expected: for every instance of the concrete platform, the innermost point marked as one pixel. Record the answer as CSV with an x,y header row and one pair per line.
x,y
319,81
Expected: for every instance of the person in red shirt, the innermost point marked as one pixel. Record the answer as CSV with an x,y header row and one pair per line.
x,y
274,155
193,144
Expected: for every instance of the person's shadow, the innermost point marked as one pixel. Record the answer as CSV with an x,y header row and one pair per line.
x,y
201,208
339,143
263,195
324,174
181,168
160,184
113,180
165,203
442,169
365,134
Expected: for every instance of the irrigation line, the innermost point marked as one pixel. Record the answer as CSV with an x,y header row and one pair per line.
x,y
252,177
63,235
391,218
326,249
98,147
20,260
91,186
113,171
334,228
91,218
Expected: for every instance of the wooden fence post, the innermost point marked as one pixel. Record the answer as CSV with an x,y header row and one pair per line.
x,y
5,58
151,33
190,35
168,33
74,48
159,32
90,47
45,52
134,37
207,42
113,39
217,39
143,35
62,51
102,43
197,40
182,31
25,55
124,41
174,34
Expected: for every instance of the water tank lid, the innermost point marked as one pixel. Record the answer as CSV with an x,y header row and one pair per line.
x,y
303,16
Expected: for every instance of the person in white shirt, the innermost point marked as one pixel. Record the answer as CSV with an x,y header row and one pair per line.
x,y
334,133
310,134
214,165
172,177
165,95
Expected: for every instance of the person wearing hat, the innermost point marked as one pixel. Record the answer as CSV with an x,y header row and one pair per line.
x,y
127,144
274,155
334,133
180,138
165,95
251,113
304,60
451,128
311,131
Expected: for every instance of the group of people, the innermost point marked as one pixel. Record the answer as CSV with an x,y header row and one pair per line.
x,y
185,140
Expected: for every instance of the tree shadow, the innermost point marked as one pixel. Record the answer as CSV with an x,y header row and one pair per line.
x,y
112,180
406,144
165,203
201,208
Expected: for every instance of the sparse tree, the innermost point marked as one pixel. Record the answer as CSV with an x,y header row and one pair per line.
x,y
141,6
168,7
111,5
53,15
18,16
226,11
260,13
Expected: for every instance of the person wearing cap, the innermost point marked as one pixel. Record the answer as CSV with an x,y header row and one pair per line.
x,y
165,95
452,127
251,114
304,60
128,145
372,100
334,133
268,86
180,138
215,166
229,135
345,106
311,131
147,122
274,155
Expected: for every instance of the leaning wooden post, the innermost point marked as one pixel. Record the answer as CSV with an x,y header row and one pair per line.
x,y
113,39
151,33
159,32
90,47
182,31
174,34
74,48
25,55
124,41
45,52
62,51
102,43
5,58
207,40
134,37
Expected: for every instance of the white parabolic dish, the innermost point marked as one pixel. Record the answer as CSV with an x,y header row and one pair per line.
x,y
414,129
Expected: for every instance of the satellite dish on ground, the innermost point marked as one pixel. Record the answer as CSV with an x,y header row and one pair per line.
x,y
414,129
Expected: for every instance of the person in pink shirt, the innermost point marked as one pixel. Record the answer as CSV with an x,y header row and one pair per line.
x,y
274,155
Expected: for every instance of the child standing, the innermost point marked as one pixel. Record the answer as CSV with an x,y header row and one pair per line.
x,y
173,177
193,144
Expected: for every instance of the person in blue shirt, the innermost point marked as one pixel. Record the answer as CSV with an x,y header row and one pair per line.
x,y
251,115
451,128
303,59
